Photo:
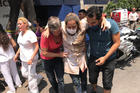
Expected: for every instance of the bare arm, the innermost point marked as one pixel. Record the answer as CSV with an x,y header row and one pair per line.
x,y
116,40
17,54
34,53
13,43
52,54
35,50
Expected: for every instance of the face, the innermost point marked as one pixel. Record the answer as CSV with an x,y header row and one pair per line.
x,y
56,32
81,15
21,26
134,9
92,21
71,24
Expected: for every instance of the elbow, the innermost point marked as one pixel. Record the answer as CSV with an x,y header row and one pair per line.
x,y
119,43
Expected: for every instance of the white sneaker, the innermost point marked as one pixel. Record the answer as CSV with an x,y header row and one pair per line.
x,y
39,79
11,92
18,86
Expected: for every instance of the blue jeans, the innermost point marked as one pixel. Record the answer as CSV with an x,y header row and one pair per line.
x,y
52,67
76,79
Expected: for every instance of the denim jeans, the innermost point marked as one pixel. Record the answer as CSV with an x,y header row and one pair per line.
x,y
65,9
82,77
76,81
52,67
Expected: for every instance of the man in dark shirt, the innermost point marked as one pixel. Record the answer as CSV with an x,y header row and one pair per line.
x,y
103,46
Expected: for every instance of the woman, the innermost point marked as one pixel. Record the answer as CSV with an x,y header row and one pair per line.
x,y
6,61
75,62
74,45
28,48
52,55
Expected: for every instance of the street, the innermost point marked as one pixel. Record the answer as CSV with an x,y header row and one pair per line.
x,y
126,80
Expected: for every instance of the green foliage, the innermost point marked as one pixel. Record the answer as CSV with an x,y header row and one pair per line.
x,y
124,4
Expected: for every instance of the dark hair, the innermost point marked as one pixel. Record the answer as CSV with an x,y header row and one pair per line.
x,y
94,11
4,39
83,11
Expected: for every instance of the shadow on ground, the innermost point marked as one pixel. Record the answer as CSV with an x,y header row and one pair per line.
x,y
69,89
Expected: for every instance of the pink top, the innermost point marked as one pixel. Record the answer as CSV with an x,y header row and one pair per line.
x,y
51,45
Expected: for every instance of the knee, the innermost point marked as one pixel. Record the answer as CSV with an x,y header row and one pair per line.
x,y
107,85
92,80
60,81
76,82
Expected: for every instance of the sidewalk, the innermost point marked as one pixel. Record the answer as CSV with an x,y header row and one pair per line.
x,y
126,80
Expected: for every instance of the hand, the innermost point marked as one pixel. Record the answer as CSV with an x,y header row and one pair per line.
x,y
62,54
103,23
46,33
15,58
29,62
100,61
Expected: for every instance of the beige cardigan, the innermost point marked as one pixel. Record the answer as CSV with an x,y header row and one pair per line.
x,y
75,47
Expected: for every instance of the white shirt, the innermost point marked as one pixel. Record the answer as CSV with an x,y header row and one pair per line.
x,y
26,45
133,16
6,55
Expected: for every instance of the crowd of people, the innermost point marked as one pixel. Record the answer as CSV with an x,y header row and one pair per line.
x,y
77,44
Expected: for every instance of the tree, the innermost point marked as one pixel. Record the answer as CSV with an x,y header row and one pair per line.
x,y
124,4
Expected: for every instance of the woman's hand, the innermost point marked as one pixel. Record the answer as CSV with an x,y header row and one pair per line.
x,y
103,23
46,33
30,62
62,54
15,58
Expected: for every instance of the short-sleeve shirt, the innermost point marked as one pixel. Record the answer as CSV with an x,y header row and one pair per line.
x,y
8,54
26,44
50,45
101,41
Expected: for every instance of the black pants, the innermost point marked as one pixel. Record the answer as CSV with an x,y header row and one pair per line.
x,y
107,72
55,67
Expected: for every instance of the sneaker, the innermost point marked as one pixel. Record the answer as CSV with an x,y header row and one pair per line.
x,y
19,86
11,92
40,78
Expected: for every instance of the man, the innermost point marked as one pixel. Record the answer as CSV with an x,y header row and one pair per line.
x,y
103,46
82,14
133,17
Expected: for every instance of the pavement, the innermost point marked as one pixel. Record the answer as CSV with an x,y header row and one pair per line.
x,y
126,80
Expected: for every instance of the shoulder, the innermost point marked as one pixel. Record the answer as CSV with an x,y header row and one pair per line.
x,y
30,31
112,22
114,26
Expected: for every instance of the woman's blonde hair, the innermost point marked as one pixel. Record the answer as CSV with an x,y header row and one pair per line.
x,y
24,20
73,16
